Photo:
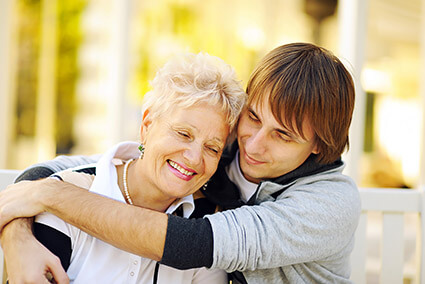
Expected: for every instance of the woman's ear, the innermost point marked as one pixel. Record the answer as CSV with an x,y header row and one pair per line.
x,y
146,123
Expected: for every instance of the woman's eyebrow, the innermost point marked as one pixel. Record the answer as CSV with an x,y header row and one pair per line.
x,y
214,139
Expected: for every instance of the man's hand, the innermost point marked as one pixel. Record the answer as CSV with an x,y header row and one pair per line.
x,y
28,261
22,199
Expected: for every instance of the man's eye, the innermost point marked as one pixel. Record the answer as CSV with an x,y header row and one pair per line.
x,y
252,116
284,138
183,134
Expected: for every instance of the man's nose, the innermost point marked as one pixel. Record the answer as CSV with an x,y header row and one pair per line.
x,y
256,143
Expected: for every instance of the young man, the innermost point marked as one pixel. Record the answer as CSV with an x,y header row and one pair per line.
x,y
302,211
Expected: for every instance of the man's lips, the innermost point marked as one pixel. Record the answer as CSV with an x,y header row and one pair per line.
x,y
251,160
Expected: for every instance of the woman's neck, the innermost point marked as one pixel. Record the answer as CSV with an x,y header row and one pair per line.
x,y
141,191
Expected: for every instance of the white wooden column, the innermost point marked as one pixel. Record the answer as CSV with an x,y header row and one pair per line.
x,y
118,105
422,93
420,250
46,93
420,235
7,78
352,20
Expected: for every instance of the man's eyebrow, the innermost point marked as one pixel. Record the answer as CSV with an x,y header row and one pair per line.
x,y
291,134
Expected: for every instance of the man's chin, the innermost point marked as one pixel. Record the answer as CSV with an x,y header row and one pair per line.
x,y
251,173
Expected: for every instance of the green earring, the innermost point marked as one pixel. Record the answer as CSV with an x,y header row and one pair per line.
x,y
142,151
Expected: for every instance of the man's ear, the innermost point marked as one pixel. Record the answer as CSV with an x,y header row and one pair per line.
x,y
146,123
315,149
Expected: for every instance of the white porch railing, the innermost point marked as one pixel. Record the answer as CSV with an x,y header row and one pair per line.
x,y
391,266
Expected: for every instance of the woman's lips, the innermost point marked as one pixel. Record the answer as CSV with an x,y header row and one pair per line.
x,y
181,171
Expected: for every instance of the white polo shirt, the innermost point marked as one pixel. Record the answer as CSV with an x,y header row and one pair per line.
x,y
94,261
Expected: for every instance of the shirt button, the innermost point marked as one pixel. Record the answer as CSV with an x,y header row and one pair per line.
x,y
135,262
131,273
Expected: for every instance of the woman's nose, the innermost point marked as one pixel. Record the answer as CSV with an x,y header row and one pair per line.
x,y
193,154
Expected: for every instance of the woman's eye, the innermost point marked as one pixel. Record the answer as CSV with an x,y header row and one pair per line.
x,y
213,150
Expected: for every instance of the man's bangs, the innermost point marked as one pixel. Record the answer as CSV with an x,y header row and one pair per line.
x,y
288,110
256,93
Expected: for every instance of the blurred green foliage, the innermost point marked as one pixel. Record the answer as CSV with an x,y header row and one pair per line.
x,y
178,26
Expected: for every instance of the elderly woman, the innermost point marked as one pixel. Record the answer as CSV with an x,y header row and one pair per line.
x,y
186,122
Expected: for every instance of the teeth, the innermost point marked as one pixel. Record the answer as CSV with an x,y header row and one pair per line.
x,y
180,169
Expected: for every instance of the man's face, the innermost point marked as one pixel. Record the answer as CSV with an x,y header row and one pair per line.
x,y
267,148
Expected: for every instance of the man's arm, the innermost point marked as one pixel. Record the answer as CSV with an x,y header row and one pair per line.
x,y
106,219
134,229
40,171
60,163
27,261
22,251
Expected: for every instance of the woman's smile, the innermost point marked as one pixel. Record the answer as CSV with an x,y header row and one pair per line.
x,y
181,171
183,148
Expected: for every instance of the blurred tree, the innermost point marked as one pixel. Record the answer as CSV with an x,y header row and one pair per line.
x,y
67,71
168,27
29,39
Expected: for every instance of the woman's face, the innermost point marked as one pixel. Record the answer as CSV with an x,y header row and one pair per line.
x,y
183,148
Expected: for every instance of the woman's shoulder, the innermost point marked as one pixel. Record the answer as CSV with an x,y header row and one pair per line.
x,y
81,176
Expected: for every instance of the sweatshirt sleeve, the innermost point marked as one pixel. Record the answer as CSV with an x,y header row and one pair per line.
x,y
60,163
307,223
188,243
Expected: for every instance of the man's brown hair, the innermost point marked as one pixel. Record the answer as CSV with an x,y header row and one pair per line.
x,y
304,81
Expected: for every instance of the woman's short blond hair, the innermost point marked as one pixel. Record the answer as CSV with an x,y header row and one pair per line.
x,y
191,79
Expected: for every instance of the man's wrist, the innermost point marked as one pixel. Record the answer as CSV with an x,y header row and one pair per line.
x,y
45,191
18,229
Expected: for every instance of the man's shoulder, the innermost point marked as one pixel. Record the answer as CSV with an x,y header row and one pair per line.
x,y
332,186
